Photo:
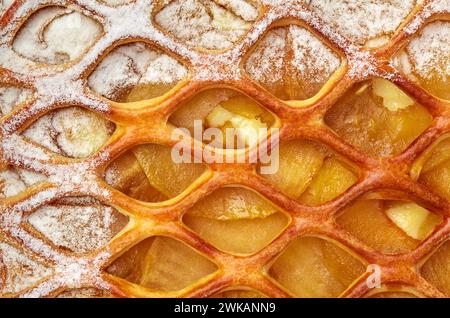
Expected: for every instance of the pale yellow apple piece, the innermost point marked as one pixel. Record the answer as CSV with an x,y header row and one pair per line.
x,y
393,97
439,155
414,220
298,165
240,236
126,175
437,269
438,179
233,203
366,220
162,264
364,118
199,106
312,267
332,180
163,173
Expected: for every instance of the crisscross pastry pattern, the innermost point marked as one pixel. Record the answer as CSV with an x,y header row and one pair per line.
x,y
92,206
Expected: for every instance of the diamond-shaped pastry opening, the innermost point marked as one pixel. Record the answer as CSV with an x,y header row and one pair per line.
x,y
56,35
378,118
292,63
311,173
135,72
85,293
162,264
149,173
239,293
72,132
14,181
436,269
426,59
238,121
313,267
389,226
79,225
361,21
433,168
19,272
207,24
236,220
11,97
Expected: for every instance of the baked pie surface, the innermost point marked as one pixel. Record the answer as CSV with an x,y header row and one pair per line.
x,y
91,204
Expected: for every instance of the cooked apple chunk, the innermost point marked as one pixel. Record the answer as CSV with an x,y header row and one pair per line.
x,y
388,226
378,118
241,120
236,220
311,173
148,173
162,264
314,268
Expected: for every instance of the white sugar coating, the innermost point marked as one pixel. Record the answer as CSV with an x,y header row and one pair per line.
x,y
10,97
10,184
73,132
206,24
78,228
362,20
266,63
56,35
84,293
29,177
115,2
241,8
429,53
15,180
131,65
21,271
295,49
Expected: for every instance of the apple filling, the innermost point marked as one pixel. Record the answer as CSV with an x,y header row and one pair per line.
x,y
162,264
435,168
241,121
436,269
389,226
378,118
149,174
236,220
313,268
310,173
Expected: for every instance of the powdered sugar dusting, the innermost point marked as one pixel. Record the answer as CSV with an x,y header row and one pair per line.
x,y
131,65
11,97
205,23
292,54
21,271
14,181
363,20
430,52
72,132
78,228
56,35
